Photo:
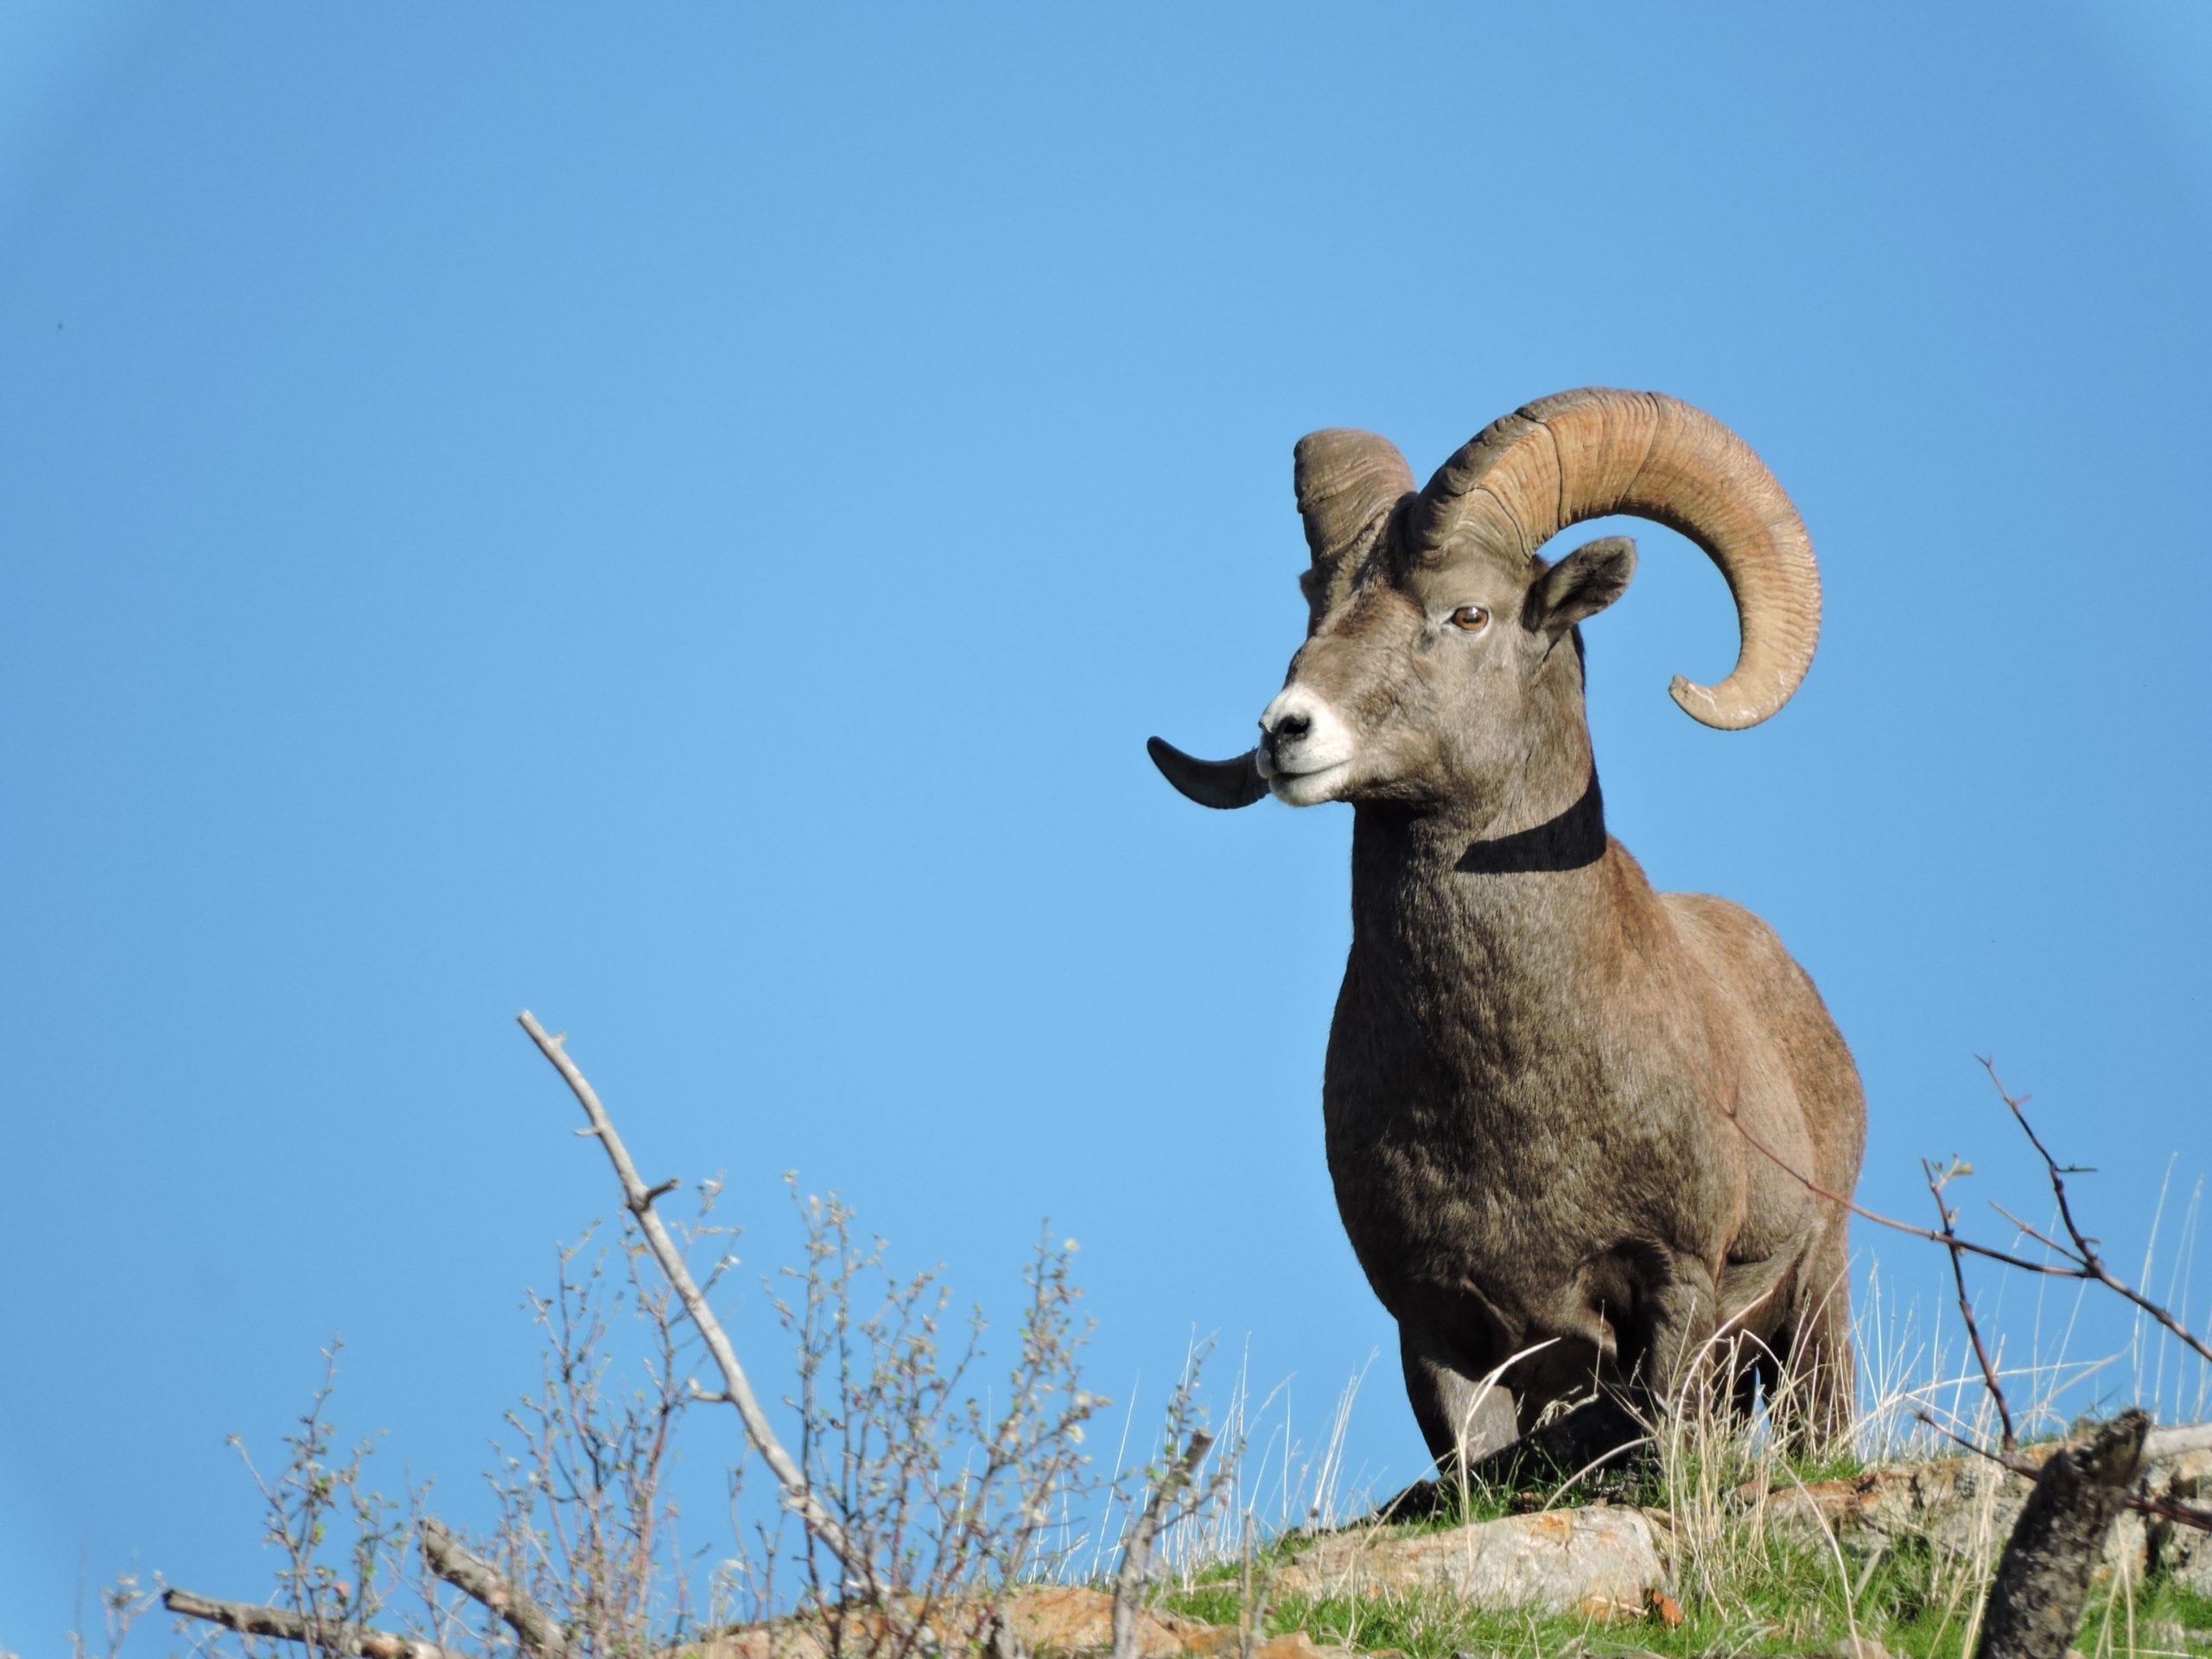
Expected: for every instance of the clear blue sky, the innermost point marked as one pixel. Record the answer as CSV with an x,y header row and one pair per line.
x,y
684,518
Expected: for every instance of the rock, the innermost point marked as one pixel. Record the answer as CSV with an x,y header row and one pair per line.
x,y
1600,1563
1968,1506
1068,1618
1052,1622
784,1638
1296,1645
2182,1552
1965,1506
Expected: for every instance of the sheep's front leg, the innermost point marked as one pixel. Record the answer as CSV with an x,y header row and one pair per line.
x,y
1462,1417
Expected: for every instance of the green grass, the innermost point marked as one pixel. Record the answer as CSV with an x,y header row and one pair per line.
x,y
1786,1598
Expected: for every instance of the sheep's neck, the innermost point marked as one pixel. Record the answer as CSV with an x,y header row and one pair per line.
x,y
1530,913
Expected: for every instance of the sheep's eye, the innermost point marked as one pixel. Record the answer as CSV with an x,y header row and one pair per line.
x,y
1470,618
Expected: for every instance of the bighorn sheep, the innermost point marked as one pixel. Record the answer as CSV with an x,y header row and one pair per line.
x,y
1536,1058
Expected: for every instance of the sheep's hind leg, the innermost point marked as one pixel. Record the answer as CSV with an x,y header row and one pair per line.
x,y
1814,1401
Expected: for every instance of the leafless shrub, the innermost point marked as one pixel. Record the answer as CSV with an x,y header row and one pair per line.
x,y
123,1600
586,1527
1164,1495
334,1583
950,1498
921,1494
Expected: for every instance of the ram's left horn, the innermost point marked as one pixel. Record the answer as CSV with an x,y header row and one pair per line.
x,y
1221,784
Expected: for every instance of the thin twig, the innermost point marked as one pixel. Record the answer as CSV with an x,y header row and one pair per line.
x,y
2007,1459
1936,1182
2085,1265
2026,1264
2171,1508
476,1578
250,1618
1136,1553
2085,1248
799,1495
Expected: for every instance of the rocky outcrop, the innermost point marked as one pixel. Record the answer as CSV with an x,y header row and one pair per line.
x,y
1051,1622
2182,1551
1599,1563
1968,1506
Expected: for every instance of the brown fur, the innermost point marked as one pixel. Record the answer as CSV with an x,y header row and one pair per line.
x,y
1536,1058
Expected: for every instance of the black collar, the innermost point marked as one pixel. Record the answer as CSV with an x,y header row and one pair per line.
x,y
1572,841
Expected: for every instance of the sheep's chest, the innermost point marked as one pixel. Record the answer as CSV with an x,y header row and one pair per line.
x,y
1502,1154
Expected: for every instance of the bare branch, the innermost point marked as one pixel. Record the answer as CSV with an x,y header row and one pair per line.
x,y
2007,1459
250,1618
476,1578
799,1495
2171,1508
1936,1182
1136,1552
2026,1264
2085,1248
2081,1262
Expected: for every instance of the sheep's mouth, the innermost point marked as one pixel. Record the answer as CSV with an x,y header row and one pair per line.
x,y
1306,788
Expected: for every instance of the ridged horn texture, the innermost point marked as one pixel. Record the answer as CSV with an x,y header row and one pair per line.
x,y
1584,454
1347,482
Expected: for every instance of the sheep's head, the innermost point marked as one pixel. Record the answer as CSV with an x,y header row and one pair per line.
x,y
1440,655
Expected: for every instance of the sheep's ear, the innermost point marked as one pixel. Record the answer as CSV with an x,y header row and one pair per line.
x,y
1582,584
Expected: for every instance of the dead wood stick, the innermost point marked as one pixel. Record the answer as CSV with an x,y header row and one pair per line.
x,y
1136,1551
2164,1445
799,1495
477,1579
331,1635
2043,1578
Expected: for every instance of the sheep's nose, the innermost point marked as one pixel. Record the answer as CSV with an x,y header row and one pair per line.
x,y
1285,730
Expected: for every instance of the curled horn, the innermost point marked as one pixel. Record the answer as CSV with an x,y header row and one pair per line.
x,y
1583,454
1347,483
